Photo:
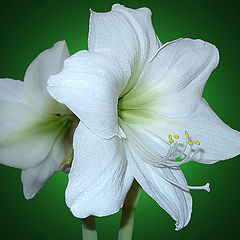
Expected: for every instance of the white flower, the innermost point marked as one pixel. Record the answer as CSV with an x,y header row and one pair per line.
x,y
136,98
35,130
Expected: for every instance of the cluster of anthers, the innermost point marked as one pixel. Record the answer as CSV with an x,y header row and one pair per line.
x,y
187,154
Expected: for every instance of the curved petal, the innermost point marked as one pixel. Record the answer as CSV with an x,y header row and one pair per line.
x,y
34,178
26,136
15,117
89,85
11,91
127,32
172,83
46,63
99,182
217,140
175,201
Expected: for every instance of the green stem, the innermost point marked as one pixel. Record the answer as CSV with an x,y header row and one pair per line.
x,y
128,211
89,231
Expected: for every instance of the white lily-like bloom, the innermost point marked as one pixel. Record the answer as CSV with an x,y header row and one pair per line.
x,y
35,130
140,105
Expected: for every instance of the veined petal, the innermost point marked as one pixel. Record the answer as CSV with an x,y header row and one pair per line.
x,y
11,91
14,117
175,201
26,136
127,32
34,178
217,140
172,83
89,85
48,62
99,182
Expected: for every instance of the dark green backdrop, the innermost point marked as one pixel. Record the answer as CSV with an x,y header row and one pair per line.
x,y
29,27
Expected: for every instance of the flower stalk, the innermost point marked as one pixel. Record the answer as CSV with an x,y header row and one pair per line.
x,y
128,211
89,231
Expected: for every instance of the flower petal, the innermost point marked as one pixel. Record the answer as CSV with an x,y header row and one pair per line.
x,y
26,136
89,85
46,63
172,83
175,201
217,140
99,178
127,32
34,178
11,91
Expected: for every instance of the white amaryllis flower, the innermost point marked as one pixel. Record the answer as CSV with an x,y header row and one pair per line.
x,y
140,105
35,130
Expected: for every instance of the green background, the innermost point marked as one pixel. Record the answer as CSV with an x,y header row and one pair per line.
x,y
29,27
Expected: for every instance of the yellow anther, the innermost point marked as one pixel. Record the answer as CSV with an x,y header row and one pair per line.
x,y
170,138
196,142
176,136
189,142
186,134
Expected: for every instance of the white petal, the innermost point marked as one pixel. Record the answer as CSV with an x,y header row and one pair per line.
x,y
34,178
15,113
172,199
217,140
127,32
48,62
89,85
26,136
11,91
99,178
172,83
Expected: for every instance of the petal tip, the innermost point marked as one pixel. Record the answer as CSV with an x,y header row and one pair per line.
x,y
82,213
117,5
91,11
28,195
60,43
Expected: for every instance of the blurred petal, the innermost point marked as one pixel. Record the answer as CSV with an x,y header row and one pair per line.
x,y
128,34
11,91
26,136
89,85
99,178
34,178
46,63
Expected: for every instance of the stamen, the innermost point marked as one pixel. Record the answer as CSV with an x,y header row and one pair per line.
x,y
189,142
169,160
189,158
194,154
181,153
186,134
196,142
170,138
170,151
